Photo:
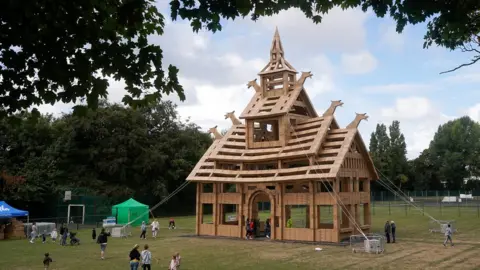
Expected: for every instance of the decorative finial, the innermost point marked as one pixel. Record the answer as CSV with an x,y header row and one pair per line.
x,y
358,118
333,106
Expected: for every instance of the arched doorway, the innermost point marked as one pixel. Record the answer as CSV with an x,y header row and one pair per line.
x,y
262,207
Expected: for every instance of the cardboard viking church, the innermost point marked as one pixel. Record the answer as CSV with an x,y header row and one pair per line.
x,y
302,171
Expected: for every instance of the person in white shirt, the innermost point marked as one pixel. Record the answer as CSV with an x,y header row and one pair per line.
x,y
146,256
33,234
173,264
54,235
177,260
155,226
448,236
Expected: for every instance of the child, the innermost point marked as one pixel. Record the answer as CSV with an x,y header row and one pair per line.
x,y
173,264
54,235
64,237
177,260
94,234
171,224
44,237
143,235
47,260
146,258
448,236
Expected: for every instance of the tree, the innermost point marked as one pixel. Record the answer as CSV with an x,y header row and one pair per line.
x,y
389,154
454,151
397,155
113,151
451,24
54,51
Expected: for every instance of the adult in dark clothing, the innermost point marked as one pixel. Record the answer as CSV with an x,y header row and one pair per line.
x,y
102,240
247,228
267,228
134,258
393,226
388,230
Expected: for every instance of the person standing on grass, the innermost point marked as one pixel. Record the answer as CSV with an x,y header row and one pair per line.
x,y
178,259
102,240
393,227
143,235
94,234
134,258
173,264
267,228
46,261
247,228
64,237
33,234
44,236
54,235
146,258
155,227
448,236
388,229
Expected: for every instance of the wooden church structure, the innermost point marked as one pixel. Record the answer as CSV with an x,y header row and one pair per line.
x,y
303,165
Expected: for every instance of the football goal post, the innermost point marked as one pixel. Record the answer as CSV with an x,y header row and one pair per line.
x,y
76,205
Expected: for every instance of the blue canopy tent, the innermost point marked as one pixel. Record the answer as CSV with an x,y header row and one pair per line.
x,y
6,211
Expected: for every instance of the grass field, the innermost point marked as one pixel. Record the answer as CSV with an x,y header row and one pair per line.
x,y
416,248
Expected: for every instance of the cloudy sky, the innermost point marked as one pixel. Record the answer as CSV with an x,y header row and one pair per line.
x,y
353,56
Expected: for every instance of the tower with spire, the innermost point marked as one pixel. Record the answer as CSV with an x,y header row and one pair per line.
x,y
284,154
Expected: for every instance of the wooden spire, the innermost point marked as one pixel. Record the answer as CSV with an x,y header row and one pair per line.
x,y
277,57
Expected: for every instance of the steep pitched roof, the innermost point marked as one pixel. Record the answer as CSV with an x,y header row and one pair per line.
x,y
274,106
315,138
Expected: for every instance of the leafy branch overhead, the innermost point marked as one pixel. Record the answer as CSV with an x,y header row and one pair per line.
x,y
451,24
53,51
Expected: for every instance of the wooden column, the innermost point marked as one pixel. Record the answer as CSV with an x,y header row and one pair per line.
x,y
199,213
273,212
282,212
313,212
336,216
215,208
240,217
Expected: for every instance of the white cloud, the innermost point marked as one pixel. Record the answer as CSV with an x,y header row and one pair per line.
x,y
398,88
409,108
473,77
392,39
358,63
419,120
474,112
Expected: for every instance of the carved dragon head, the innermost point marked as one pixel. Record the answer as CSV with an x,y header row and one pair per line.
x,y
229,114
362,116
251,83
307,74
336,103
212,130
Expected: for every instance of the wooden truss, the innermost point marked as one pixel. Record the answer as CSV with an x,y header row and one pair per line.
x,y
285,145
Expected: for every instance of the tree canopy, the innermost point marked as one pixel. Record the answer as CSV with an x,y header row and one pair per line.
x,y
451,161
52,51
114,151
451,24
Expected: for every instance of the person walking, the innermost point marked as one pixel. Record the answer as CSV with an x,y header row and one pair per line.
x,y
448,236
267,228
134,258
393,227
102,241
388,229
146,258
155,226
143,235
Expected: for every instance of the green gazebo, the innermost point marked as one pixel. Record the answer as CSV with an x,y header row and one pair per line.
x,y
131,210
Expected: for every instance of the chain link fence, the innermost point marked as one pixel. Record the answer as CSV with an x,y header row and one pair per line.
x,y
452,203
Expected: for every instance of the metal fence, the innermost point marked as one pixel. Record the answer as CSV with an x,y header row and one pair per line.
x,y
445,203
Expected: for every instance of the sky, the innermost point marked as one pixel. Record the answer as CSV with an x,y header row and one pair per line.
x,y
354,57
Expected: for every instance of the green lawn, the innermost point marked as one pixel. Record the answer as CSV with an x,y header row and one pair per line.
x,y
416,248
